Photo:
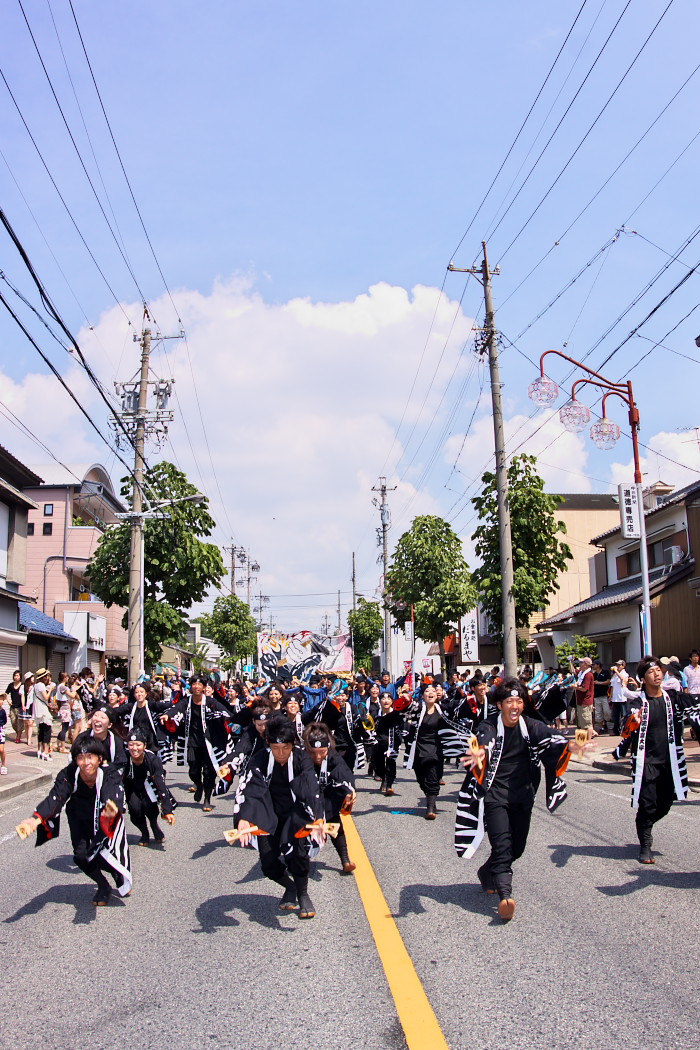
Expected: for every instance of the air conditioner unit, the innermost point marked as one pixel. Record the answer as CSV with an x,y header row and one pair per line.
x,y
673,555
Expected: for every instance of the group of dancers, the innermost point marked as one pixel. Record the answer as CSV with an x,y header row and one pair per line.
x,y
294,752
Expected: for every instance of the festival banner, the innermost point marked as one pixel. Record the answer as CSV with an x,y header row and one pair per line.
x,y
282,656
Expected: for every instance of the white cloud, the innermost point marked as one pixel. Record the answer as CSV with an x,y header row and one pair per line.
x,y
301,401
670,457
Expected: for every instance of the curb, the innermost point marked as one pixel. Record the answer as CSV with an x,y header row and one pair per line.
x,y
20,787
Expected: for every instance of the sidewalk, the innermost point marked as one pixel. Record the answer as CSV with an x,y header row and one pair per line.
x,y
26,772
602,758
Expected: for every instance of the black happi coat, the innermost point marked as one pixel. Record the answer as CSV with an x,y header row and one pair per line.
x,y
335,781
254,801
113,745
389,730
147,718
109,833
634,736
345,725
545,745
154,785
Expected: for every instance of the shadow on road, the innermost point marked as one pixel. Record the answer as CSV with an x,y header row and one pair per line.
x,y
561,855
214,914
78,897
207,848
466,896
671,880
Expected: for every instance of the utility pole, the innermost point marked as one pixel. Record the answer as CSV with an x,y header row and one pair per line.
x,y
326,625
354,584
138,422
385,516
232,550
490,345
135,633
340,624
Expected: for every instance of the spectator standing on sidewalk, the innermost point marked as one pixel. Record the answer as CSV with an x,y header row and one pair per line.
x,y
692,675
14,692
601,685
27,712
42,713
619,679
4,701
584,692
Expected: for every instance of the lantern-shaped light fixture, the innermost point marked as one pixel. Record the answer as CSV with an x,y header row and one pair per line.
x,y
605,433
574,416
543,391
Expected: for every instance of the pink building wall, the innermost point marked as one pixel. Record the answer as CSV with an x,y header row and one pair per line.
x,y
53,561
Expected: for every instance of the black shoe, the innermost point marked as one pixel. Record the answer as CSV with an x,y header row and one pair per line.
x,y
289,900
102,897
645,856
206,805
431,808
144,841
306,908
486,879
198,792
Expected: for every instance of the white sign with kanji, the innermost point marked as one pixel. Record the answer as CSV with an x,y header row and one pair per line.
x,y
629,512
469,638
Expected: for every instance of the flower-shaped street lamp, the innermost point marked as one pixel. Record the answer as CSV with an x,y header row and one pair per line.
x,y
604,434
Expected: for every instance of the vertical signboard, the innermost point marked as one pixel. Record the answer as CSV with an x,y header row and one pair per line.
x,y
629,512
469,638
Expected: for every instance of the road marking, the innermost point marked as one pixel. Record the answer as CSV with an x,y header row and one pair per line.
x,y
417,1017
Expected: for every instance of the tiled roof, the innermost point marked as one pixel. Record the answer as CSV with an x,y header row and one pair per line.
x,y
620,593
36,622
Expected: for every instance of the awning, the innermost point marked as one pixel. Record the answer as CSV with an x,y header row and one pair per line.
x,y
12,637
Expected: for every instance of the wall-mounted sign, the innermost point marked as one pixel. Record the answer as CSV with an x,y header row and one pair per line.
x,y
629,512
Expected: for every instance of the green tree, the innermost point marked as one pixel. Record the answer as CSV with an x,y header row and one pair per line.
x,y
366,624
538,554
232,628
577,646
200,656
179,567
429,573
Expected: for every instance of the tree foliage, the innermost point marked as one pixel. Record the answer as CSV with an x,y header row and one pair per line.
x,y
429,573
179,567
577,646
538,554
366,624
232,628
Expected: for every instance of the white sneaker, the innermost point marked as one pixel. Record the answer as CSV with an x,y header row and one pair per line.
x,y
40,754
48,758
3,771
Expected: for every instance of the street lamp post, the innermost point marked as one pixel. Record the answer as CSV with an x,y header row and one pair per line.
x,y
604,434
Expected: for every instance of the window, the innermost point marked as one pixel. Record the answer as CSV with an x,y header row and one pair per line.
x,y
48,510
47,528
30,528
634,564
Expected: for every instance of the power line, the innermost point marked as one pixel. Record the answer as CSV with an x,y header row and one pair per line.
x,y
521,128
80,158
589,129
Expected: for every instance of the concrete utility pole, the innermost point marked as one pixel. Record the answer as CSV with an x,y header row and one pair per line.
x,y
139,422
326,625
354,584
136,573
490,345
340,622
232,550
385,516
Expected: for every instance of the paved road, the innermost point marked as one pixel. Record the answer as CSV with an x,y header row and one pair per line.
x,y
601,952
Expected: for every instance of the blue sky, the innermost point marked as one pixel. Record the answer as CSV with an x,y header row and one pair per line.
x,y
287,159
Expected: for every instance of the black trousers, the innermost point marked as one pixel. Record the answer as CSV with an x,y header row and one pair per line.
x,y
507,826
82,835
202,772
619,716
656,797
143,811
428,774
275,864
383,766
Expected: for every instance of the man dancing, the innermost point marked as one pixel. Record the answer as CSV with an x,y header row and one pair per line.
x,y
279,795
498,792
93,796
654,732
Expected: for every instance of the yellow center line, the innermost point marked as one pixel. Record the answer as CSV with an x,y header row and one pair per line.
x,y
416,1015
